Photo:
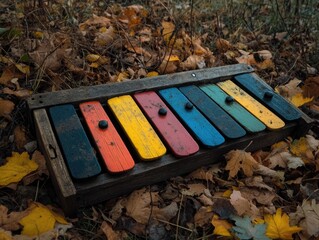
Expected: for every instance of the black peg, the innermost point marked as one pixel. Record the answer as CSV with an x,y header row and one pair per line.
x,y
103,124
189,106
229,99
268,95
162,111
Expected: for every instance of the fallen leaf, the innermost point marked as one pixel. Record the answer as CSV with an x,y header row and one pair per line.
x,y
21,93
223,208
258,182
193,62
278,226
20,136
16,167
290,89
40,219
193,189
138,204
298,99
110,233
242,205
23,68
311,87
6,107
152,74
9,73
122,76
221,227
244,229
96,21
239,159
261,196
42,168
223,45
92,57
5,235
10,222
168,29
301,148
265,171
307,216
105,37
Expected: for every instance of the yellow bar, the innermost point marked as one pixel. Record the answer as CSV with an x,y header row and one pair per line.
x,y
138,129
256,108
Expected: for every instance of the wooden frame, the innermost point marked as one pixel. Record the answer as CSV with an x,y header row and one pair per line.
x,y
75,194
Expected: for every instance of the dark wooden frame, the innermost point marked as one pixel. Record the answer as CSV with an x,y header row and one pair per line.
x,y
75,194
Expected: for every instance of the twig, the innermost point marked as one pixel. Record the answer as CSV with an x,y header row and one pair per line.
x,y
178,216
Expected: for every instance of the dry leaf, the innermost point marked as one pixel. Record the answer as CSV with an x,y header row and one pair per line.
x,y
20,136
298,99
193,62
242,205
138,204
21,93
9,73
42,168
39,220
105,37
5,235
223,45
152,74
239,159
16,167
194,189
10,222
307,216
262,196
6,107
168,29
202,216
301,148
290,89
110,233
311,87
278,226
221,227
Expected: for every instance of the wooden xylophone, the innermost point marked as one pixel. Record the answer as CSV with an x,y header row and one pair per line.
x,y
103,141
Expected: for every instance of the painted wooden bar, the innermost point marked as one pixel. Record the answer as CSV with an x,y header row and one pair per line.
x,y
139,131
113,150
169,127
233,108
257,87
256,108
78,152
201,128
216,115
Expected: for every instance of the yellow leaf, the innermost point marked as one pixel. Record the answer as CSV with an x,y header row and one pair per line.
x,y
227,193
222,227
122,76
92,57
299,100
278,226
4,235
239,159
94,65
40,219
23,68
152,74
38,35
17,166
168,29
301,148
173,58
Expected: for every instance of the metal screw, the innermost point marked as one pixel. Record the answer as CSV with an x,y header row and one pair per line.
x,y
103,124
268,95
189,106
162,111
229,99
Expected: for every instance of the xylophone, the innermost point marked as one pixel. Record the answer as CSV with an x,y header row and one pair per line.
x,y
104,141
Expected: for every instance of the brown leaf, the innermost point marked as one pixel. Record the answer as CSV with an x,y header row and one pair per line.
x,y
21,93
110,233
203,216
42,168
95,21
193,62
6,107
9,73
311,87
138,205
10,222
239,159
262,196
20,136
242,205
258,182
194,189
223,45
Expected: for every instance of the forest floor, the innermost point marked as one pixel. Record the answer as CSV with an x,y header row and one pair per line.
x,y
47,46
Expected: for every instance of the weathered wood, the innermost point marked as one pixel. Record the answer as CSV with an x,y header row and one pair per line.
x,y
256,108
77,149
139,131
110,145
60,177
106,186
101,92
74,194
216,115
257,87
200,127
243,117
172,131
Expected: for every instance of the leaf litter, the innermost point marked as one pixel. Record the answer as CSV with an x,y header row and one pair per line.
x,y
261,195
